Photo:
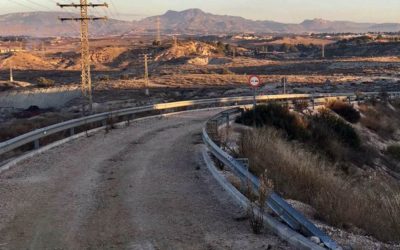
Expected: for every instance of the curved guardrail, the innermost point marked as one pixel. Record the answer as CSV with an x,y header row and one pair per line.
x,y
287,213
36,135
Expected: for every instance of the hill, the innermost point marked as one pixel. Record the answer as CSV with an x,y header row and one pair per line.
x,y
46,24
191,21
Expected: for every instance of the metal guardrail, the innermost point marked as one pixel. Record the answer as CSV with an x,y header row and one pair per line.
x,y
298,221
36,135
285,211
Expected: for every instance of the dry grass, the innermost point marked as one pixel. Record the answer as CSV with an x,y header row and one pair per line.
x,y
302,175
257,202
380,119
14,128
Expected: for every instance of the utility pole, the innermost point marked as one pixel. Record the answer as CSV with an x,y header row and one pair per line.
x,y
146,74
175,41
85,53
158,38
284,82
11,72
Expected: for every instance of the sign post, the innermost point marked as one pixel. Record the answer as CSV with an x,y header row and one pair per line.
x,y
254,82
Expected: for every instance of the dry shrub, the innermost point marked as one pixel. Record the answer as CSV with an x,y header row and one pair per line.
x,y
274,114
379,119
45,82
394,151
302,175
345,110
11,129
257,201
300,105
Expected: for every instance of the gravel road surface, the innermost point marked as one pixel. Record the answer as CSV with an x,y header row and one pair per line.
x,y
141,187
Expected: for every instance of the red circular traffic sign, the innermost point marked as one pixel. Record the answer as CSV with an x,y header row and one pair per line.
x,y
254,81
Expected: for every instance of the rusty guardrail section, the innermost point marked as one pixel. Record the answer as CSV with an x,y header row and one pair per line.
x,y
35,136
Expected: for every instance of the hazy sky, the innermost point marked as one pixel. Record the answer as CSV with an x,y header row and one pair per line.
x,y
277,10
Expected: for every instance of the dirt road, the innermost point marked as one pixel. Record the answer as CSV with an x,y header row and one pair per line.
x,y
141,187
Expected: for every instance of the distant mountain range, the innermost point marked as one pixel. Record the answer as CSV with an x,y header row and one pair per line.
x,y
191,21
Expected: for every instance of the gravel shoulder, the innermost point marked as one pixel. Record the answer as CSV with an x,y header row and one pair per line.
x,y
141,187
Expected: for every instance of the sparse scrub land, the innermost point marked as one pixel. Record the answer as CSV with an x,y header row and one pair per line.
x,y
278,116
320,160
302,175
323,132
381,118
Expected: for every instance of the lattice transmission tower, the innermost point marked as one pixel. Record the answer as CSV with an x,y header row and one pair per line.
x,y
84,19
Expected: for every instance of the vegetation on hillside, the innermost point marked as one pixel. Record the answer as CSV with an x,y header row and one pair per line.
x,y
323,132
320,159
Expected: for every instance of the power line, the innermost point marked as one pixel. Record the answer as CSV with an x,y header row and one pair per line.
x,y
23,5
38,4
74,26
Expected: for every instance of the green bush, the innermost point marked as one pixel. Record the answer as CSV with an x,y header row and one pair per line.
x,y
345,110
394,151
325,125
277,116
323,132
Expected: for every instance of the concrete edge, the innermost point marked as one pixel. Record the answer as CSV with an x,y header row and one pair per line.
x,y
282,231
12,163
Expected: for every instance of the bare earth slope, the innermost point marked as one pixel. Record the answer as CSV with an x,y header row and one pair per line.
x,y
140,187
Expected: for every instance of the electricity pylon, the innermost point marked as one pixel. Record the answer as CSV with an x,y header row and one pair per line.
x,y
85,53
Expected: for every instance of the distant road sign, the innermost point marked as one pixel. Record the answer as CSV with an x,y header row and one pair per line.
x,y
254,81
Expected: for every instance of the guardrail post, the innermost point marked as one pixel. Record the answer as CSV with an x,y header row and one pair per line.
x,y
128,120
36,144
71,131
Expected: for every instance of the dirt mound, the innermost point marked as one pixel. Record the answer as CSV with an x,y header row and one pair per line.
x,y
106,55
187,49
27,61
